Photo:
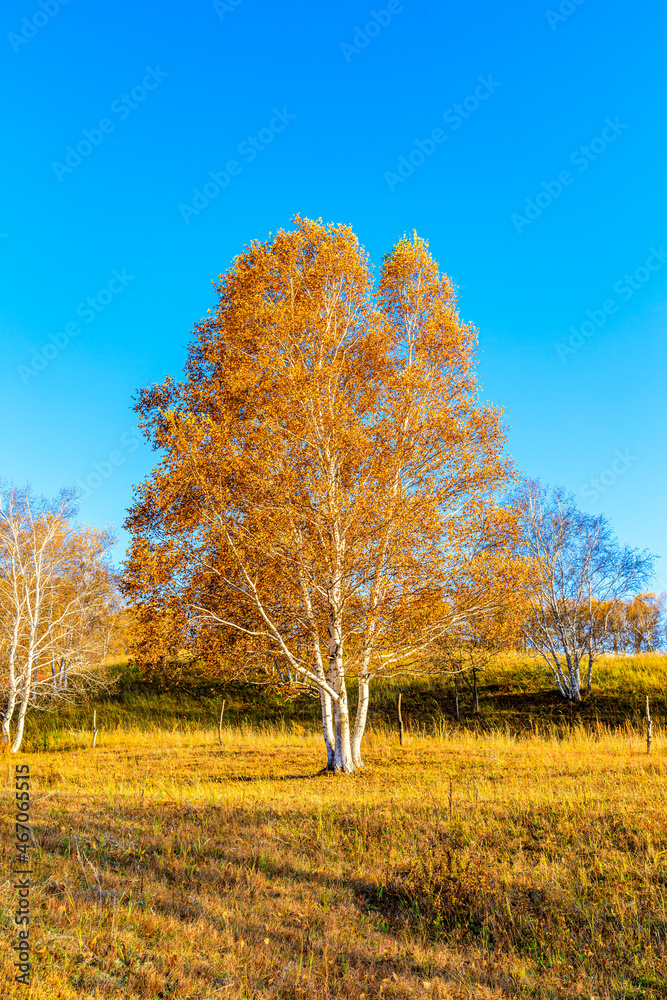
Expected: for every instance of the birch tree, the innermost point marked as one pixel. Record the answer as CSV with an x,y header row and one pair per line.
x,y
636,625
582,576
58,604
327,474
644,618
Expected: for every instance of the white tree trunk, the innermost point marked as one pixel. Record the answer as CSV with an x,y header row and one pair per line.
x,y
11,680
360,720
20,723
328,728
553,662
9,713
342,748
342,744
318,668
336,672
574,681
28,670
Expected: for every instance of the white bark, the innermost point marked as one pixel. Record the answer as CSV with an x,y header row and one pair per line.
x,y
325,697
360,719
574,678
20,722
11,682
328,728
34,608
342,744
343,747
9,713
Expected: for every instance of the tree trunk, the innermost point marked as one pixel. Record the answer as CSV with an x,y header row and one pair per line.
x,y
326,703
336,675
475,700
360,720
575,684
328,728
25,699
570,685
590,673
342,745
27,684
558,675
342,748
9,713
11,680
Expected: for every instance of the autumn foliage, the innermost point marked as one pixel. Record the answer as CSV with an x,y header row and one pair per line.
x,y
60,611
325,499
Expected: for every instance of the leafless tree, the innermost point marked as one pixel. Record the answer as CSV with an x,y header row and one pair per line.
x,y
582,575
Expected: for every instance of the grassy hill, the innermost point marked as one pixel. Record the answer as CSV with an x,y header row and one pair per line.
x,y
516,695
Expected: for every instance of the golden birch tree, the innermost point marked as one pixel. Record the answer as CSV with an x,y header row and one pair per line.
x,y
328,477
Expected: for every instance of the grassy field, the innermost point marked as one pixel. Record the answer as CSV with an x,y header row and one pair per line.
x,y
519,854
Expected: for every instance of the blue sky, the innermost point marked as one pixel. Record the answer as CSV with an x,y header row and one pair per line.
x,y
145,145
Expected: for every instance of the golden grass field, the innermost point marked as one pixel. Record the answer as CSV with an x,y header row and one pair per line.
x,y
461,865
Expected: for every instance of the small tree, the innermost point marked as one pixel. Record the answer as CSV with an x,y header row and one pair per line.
x,y
58,604
645,622
327,470
582,575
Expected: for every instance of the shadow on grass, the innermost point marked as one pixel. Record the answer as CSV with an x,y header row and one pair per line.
x,y
254,778
455,887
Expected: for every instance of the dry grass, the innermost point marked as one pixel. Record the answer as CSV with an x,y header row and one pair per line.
x,y
169,866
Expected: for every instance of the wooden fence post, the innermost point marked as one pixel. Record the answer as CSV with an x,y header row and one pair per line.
x,y
220,723
649,728
400,717
95,729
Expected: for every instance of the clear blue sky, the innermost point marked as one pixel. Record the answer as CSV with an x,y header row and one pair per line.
x,y
542,195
